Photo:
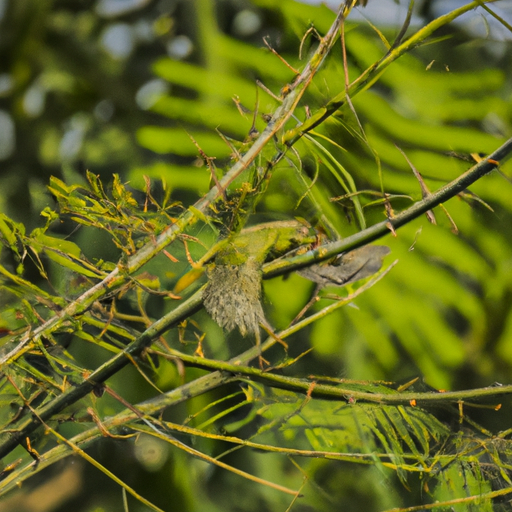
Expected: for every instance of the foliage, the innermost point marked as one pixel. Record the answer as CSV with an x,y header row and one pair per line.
x,y
347,153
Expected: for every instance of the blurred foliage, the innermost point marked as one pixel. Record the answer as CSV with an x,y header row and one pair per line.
x,y
167,114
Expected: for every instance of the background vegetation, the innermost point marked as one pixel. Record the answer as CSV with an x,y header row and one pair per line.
x,y
169,112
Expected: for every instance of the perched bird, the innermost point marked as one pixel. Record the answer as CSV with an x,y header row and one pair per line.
x,y
348,267
233,293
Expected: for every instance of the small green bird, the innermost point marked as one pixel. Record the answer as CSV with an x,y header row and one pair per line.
x,y
232,295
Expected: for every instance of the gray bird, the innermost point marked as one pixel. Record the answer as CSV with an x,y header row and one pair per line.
x,y
348,267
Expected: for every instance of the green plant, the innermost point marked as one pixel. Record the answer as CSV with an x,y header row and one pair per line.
x,y
295,163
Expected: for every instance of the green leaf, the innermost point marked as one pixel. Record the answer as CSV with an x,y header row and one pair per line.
x,y
121,195
225,86
187,177
214,116
64,252
431,136
177,141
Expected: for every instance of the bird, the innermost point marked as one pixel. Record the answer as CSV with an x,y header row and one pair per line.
x,y
347,267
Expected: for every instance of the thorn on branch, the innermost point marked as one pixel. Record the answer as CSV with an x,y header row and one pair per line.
x,y
289,66
208,160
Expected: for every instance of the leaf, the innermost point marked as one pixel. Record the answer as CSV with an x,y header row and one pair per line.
x,y
9,233
185,177
199,114
208,81
440,138
65,253
123,197
176,140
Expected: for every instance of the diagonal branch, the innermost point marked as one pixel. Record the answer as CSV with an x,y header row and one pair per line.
x,y
381,229
373,73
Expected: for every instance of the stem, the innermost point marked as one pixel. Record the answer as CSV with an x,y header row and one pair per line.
x,y
373,73
225,371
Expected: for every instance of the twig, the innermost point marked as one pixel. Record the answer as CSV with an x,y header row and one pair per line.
x,y
25,426
372,74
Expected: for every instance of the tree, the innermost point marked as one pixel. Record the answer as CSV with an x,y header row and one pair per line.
x,y
345,154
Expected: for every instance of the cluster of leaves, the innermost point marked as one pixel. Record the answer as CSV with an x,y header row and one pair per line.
x,y
434,314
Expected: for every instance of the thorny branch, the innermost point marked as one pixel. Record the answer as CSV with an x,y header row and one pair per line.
x,y
27,425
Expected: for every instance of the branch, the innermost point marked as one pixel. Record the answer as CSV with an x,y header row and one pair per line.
x,y
324,252
373,73
345,392
23,427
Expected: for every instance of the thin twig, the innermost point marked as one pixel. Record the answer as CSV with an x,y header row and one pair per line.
x,y
460,184
373,73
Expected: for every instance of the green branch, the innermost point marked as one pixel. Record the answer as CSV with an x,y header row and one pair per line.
x,y
19,430
346,392
224,372
373,73
383,228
